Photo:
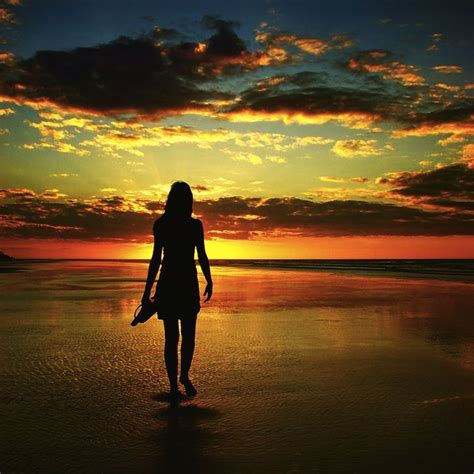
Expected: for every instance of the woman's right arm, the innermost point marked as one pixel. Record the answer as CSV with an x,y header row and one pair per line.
x,y
153,268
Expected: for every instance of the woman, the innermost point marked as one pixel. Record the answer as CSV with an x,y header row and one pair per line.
x,y
176,233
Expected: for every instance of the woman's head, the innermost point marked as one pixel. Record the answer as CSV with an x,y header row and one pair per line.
x,y
180,200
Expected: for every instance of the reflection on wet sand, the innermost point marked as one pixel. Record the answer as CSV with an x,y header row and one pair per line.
x,y
185,440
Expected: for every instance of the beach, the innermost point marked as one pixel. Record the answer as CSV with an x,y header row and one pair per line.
x,y
297,371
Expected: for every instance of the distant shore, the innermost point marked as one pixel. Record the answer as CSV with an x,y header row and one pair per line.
x,y
5,258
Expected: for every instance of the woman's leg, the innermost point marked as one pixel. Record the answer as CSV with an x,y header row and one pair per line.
x,y
171,351
188,333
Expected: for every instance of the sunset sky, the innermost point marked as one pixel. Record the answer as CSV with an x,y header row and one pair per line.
x,y
310,129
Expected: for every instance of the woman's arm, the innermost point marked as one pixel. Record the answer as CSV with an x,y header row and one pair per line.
x,y
204,262
153,268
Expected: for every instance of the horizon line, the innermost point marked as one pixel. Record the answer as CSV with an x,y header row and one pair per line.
x,y
13,259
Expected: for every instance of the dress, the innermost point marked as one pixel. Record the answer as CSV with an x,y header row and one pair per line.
x,y
177,289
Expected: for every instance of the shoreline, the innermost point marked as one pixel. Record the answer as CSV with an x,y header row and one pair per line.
x,y
452,270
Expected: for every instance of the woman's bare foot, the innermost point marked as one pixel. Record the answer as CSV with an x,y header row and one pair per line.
x,y
188,386
174,392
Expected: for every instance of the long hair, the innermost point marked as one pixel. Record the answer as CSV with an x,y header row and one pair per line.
x,y
180,200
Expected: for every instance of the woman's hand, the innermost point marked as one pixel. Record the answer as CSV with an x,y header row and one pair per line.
x,y
208,292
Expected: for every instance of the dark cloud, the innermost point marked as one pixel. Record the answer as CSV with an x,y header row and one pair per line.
x,y
462,110
31,215
225,42
126,75
115,218
331,218
213,22
149,75
200,187
154,74
315,94
448,186
311,94
160,74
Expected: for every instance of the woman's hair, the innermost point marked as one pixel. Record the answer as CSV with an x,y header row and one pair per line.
x,y
180,200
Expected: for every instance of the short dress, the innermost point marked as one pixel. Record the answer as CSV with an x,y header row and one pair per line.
x,y
177,288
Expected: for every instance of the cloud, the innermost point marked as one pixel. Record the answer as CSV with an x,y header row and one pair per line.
x,y
222,53
310,45
158,74
304,98
450,186
51,214
53,132
383,62
6,16
6,58
457,130
61,147
467,155
312,98
63,175
447,87
448,69
294,216
125,76
276,159
246,156
435,40
6,111
150,76
53,194
132,137
330,179
354,148
272,38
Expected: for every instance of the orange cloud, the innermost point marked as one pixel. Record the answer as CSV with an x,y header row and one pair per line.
x,y
467,155
451,69
6,16
330,179
6,57
448,87
408,75
315,46
287,116
458,130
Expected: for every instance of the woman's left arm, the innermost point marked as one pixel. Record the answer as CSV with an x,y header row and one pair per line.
x,y
153,268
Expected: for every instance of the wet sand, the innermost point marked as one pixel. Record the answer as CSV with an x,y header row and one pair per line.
x,y
297,371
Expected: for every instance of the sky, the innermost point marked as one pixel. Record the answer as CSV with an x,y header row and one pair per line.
x,y
306,129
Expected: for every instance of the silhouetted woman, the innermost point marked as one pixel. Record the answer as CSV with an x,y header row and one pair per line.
x,y
177,291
